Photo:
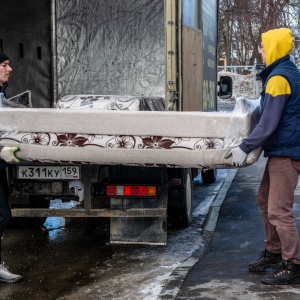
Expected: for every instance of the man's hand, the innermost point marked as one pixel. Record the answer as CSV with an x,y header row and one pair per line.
x,y
9,154
238,156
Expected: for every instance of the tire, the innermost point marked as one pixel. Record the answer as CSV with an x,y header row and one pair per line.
x,y
209,175
180,200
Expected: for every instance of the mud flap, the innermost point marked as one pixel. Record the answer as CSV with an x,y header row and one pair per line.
x,y
139,230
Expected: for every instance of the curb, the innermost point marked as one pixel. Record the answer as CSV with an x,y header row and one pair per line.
x,y
213,214
177,277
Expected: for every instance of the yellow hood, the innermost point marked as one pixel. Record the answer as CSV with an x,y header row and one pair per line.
x,y
277,43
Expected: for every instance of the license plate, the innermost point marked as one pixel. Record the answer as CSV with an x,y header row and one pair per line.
x,y
49,172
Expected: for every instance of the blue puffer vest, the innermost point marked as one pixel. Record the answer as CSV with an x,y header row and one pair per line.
x,y
285,141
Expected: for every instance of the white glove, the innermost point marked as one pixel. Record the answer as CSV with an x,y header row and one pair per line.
x,y
9,154
238,156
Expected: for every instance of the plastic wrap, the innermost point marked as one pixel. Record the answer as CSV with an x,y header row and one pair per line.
x,y
111,102
22,100
130,137
110,47
248,109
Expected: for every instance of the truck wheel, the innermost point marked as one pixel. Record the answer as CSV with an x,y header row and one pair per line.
x,y
180,200
209,175
35,202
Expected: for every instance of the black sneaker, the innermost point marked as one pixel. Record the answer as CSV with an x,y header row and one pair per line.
x,y
288,273
266,260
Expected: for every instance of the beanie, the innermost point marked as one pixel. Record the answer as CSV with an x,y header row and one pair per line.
x,y
3,57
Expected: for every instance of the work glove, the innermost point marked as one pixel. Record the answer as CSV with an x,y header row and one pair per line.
x,y
9,154
238,156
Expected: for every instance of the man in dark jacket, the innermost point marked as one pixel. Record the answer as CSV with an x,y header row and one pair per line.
x,y
7,154
278,132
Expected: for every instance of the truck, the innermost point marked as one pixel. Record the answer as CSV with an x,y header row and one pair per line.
x,y
154,49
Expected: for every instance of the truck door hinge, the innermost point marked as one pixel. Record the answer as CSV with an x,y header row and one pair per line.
x,y
173,96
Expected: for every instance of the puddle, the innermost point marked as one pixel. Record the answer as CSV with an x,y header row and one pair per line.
x,y
55,225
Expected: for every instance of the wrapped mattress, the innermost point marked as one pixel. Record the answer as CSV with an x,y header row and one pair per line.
x,y
122,130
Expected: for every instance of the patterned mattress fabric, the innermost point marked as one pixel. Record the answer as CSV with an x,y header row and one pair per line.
x,y
111,102
127,136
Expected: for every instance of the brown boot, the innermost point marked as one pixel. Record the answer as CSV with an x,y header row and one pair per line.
x,y
266,260
288,273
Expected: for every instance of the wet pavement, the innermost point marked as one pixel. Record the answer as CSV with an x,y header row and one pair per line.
x,y
222,270
74,260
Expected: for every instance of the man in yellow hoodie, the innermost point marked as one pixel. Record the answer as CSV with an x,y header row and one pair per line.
x,y
278,132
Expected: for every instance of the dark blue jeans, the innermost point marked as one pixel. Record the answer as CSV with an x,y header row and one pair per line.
x,y
5,212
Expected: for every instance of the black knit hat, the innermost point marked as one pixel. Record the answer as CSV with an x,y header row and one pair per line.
x,y
3,57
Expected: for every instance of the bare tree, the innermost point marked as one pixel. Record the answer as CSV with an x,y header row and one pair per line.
x,y
242,22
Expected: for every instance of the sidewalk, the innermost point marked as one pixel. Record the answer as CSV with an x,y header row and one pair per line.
x,y
237,239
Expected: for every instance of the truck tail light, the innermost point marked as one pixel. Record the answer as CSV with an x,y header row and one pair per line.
x,y
131,190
